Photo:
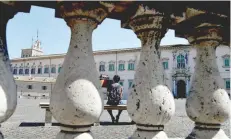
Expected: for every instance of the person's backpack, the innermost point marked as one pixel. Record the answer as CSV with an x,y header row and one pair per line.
x,y
114,94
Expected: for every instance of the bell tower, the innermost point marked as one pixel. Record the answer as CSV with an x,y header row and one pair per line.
x,y
35,50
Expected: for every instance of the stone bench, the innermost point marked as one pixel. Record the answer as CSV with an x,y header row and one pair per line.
x,y
48,114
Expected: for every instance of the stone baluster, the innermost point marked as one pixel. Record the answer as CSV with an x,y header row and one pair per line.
x,y
76,101
150,103
208,104
8,94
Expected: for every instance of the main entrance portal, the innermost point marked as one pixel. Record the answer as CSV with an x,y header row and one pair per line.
x,y
181,89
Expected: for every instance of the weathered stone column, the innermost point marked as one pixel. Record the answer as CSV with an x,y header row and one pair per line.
x,y
208,103
75,100
8,94
150,103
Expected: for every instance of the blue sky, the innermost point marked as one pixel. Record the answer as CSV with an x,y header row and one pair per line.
x,y
55,34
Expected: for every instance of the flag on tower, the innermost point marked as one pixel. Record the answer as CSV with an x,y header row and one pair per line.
x,y
37,34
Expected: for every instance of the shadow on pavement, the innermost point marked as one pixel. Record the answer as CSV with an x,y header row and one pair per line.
x,y
25,124
34,124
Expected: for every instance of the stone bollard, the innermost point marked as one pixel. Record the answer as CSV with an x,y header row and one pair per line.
x,y
150,103
76,100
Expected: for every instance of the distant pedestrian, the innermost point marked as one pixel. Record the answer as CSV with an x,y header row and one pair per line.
x,y
115,94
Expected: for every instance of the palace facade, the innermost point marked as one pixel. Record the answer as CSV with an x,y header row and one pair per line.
x,y
35,73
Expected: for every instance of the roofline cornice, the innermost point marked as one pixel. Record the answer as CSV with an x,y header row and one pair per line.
x,y
100,52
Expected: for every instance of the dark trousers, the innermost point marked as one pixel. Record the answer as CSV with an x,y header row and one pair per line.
x,y
117,116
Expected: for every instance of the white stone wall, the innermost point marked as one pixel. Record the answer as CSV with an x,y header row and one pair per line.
x,y
221,51
167,54
37,88
26,53
36,52
125,75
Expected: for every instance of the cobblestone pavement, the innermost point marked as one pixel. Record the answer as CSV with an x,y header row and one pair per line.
x,y
28,111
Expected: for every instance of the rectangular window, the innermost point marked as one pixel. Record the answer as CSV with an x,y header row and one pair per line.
x,y
227,84
226,62
20,71
39,70
165,65
131,66
111,67
121,67
29,86
33,71
59,69
15,71
53,70
44,87
46,70
101,67
121,83
130,83
26,71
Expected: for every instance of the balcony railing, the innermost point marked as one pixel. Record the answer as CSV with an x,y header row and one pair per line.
x,y
76,100
176,70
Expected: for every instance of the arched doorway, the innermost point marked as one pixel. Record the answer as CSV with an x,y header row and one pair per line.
x,y
181,89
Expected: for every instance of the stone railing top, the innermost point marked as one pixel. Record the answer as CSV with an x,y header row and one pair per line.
x,y
181,15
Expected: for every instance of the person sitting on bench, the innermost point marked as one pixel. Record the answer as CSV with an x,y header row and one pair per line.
x,y
115,93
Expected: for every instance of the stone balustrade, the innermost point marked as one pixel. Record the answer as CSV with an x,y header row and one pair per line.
x,y
76,100
151,103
